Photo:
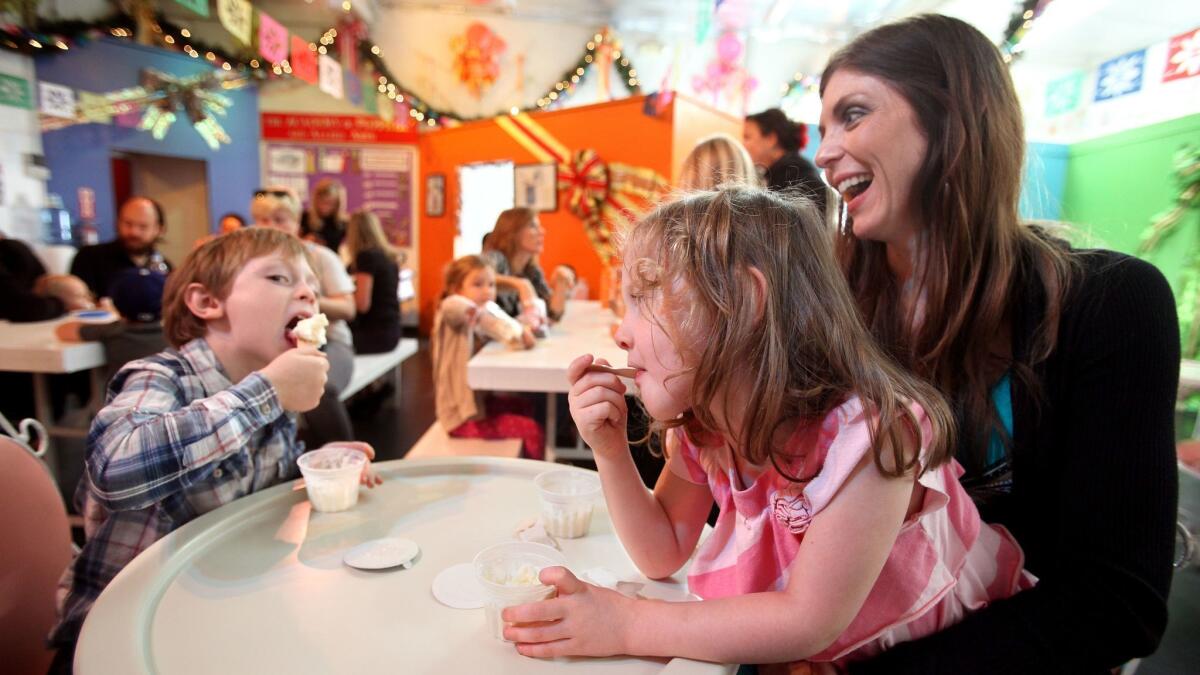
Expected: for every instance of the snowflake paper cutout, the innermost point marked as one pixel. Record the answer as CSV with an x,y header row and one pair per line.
x,y
1120,76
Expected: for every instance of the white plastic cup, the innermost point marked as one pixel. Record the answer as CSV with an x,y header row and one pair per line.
x,y
331,476
567,496
501,571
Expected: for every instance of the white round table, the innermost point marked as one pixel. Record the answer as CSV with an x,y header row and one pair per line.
x,y
259,585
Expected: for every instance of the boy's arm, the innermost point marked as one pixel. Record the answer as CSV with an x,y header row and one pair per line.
x,y
147,442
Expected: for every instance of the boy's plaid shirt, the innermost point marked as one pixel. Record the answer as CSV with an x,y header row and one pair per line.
x,y
176,440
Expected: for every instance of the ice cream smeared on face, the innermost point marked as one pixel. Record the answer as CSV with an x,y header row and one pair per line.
x,y
311,331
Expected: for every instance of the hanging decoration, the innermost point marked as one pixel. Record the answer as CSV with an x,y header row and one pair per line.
x,y
236,16
601,194
157,100
272,39
1121,75
1183,56
1064,94
477,57
427,115
1187,200
724,76
603,49
1025,13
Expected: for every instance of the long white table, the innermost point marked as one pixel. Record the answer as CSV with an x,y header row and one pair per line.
x,y
34,348
584,329
258,586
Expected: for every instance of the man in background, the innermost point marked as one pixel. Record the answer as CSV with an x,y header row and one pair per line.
x,y
139,227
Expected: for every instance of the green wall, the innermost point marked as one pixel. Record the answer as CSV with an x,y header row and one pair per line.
x,y
1116,184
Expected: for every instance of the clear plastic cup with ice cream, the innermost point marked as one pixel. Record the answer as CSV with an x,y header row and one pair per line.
x,y
567,497
508,574
331,476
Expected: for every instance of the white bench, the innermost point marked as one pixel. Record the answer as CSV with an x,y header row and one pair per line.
x,y
435,442
371,367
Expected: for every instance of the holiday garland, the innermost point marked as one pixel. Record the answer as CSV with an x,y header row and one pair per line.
x,y
574,76
1187,201
50,35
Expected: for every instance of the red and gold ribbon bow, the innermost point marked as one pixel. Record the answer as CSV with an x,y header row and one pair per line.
x,y
602,194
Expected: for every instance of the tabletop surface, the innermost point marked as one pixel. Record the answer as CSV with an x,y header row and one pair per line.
x,y
584,329
33,348
259,585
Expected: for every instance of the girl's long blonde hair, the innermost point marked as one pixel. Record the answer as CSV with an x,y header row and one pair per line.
x,y
805,350
717,160
364,232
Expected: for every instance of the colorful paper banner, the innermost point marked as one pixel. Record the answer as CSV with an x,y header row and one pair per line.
x,y
303,61
272,39
331,76
56,100
1121,76
1183,56
1063,95
353,88
237,17
198,6
95,107
14,92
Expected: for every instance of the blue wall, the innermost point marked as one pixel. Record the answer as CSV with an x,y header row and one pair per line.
x,y
80,155
1045,181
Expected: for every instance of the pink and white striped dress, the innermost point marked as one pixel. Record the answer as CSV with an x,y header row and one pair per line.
x,y
945,564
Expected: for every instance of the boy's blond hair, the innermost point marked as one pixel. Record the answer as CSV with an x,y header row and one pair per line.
x,y
214,266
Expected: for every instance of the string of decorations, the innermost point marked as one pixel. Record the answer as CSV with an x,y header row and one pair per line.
x,y
800,83
601,48
1025,13
61,35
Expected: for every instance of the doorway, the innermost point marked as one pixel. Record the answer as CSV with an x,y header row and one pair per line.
x,y
179,185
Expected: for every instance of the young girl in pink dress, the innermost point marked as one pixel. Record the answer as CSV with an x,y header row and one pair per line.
x,y
843,529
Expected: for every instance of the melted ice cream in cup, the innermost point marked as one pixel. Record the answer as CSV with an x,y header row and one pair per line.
x,y
567,497
508,574
331,476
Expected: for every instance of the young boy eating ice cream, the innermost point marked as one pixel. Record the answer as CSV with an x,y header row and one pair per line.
x,y
211,420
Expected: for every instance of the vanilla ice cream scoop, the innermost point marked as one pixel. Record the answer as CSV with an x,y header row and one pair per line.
x,y
311,331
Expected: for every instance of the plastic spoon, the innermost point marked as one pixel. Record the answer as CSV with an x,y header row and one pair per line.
x,y
619,372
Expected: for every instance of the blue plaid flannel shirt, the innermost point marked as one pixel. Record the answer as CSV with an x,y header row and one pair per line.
x,y
176,440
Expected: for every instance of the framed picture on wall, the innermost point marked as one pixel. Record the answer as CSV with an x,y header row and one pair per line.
x,y
435,195
535,186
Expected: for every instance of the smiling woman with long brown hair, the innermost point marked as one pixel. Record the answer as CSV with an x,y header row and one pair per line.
x,y
1061,364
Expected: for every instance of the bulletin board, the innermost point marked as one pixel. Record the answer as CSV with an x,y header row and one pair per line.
x,y
380,179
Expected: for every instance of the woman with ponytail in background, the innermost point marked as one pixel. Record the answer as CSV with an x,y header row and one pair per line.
x,y
774,143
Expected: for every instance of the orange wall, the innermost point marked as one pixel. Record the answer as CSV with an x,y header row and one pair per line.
x,y
692,121
619,131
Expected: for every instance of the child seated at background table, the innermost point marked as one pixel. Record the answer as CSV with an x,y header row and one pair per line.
x,y
195,427
468,310
137,297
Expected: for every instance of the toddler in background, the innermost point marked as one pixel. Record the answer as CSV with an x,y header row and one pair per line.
x,y
469,311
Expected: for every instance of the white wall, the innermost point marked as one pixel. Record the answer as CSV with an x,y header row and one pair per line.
x,y
20,195
1157,101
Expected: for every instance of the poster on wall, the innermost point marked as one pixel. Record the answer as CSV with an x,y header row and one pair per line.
x,y
378,179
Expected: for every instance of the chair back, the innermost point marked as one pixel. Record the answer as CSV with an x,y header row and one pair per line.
x,y
35,549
